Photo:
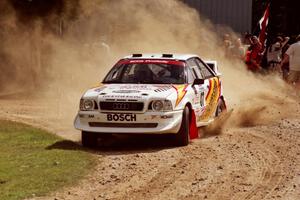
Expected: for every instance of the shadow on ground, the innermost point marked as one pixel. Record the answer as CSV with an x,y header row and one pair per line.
x,y
65,145
124,144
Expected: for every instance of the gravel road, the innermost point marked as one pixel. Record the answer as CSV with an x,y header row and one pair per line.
x,y
257,162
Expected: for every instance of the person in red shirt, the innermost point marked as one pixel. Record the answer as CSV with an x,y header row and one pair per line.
x,y
254,55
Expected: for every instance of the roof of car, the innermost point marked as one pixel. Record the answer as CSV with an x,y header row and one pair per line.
x,y
161,56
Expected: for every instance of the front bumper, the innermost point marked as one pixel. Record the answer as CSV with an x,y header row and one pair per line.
x,y
145,123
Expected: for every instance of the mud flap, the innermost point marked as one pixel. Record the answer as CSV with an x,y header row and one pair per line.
x,y
193,126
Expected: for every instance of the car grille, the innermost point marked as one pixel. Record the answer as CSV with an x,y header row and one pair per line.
x,y
122,106
123,125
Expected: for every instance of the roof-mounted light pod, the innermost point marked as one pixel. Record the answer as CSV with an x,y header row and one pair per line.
x,y
167,55
137,55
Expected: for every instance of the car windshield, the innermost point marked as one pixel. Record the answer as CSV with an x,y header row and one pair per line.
x,y
157,73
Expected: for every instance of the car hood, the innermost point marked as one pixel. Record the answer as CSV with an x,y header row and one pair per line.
x,y
135,91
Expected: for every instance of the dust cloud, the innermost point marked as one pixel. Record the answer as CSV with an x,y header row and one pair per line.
x,y
59,50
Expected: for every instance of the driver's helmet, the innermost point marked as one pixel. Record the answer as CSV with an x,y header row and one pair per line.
x,y
176,73
143,73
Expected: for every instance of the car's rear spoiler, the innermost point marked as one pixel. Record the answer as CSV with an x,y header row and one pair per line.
x,y
213,65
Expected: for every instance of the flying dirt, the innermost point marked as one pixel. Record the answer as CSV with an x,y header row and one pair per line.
x,y
50,58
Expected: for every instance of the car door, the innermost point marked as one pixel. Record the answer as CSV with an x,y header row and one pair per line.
x,y
200,90
212,90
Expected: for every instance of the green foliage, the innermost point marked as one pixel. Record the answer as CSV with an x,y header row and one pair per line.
x,y
29,166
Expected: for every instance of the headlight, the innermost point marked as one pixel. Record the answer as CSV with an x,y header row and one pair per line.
x,y
86,104
159,105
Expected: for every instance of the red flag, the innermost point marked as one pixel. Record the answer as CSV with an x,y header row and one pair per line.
x,y
263,22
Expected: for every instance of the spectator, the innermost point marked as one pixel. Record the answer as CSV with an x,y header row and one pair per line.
x,y
274,53
227,44
285,66
254,55
226,39
292,56
238,51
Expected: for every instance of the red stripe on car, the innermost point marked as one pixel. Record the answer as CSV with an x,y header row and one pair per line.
x,y
151,61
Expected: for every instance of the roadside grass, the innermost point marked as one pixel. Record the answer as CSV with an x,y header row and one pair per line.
x,y
29,168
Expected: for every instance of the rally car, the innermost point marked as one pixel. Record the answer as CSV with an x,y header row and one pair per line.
x,y
152,94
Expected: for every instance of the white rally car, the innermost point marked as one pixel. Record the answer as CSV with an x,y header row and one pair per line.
x,y
152,94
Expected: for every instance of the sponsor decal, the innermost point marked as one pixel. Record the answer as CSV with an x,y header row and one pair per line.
x,y
181,91
195,90
135,87
126,91
167,116
210,89
86,116
196,99
202,99
122,97
100,89
151,61
121,117
211,99
162,88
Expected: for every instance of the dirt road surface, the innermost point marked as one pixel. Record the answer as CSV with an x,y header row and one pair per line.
x,y
259,162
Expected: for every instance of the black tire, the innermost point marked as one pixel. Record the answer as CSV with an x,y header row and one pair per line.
x,y
89,139
105,136
182,138
220,108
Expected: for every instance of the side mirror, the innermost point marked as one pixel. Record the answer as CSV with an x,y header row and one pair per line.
x,y
198,81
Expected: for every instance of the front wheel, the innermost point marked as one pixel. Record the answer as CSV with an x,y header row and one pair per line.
x,y
182,138
89,139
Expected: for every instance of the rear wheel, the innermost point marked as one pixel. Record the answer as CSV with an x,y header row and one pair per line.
x,y
182,138
89,139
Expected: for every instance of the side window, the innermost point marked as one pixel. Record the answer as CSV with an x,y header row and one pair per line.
x,y
204,70
190,76
194,68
